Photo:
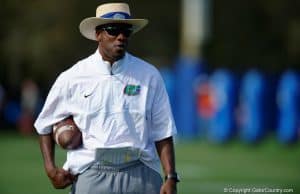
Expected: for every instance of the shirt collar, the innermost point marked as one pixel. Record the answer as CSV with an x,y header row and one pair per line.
x,y
105,67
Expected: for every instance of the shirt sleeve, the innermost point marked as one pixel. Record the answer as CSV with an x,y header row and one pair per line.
x,y
162,122
55,108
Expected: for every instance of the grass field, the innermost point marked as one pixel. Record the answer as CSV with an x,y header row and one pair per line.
x,y
204,168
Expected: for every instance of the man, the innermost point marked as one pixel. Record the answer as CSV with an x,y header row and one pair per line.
x,y
120,104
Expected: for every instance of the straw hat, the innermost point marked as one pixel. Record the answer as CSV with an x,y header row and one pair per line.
x,y
110,13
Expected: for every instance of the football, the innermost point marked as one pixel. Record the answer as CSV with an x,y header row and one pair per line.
x,y
67,135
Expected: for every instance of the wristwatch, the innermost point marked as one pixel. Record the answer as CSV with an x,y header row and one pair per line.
x,y
173,176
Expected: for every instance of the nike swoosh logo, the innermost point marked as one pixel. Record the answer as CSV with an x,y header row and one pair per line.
x,y
87,95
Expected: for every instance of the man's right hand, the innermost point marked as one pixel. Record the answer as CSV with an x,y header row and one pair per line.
x,y
61,178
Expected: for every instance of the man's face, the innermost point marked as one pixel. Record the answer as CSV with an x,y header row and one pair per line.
x,y
113,40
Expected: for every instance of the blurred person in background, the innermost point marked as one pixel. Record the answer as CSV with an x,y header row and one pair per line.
x,y
2,96
29,103
11,108
121,106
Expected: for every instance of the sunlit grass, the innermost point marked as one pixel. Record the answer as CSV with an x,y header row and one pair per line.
x,y
204,167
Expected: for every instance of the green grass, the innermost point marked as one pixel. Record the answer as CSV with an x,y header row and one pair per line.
x,y
208,168
204,168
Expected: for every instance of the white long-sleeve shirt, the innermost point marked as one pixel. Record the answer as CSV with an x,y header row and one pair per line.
x,y
123,105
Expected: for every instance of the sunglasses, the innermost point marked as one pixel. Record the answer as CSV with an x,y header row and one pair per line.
x,y
116,30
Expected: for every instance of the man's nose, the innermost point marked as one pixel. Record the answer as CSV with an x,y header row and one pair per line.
x,y
121,36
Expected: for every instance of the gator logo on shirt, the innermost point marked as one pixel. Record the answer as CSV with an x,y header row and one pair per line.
x,y
132,90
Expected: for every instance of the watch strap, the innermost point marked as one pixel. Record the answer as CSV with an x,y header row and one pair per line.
x,y
173,176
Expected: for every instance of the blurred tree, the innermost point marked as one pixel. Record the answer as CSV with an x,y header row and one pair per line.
x,y
41,38
255,33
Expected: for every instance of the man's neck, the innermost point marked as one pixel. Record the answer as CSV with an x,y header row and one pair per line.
x,y
111,60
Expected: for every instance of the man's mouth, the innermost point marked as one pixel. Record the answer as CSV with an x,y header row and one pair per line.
x,y
121,46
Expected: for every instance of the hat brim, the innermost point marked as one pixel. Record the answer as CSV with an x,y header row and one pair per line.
x,y
87,26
